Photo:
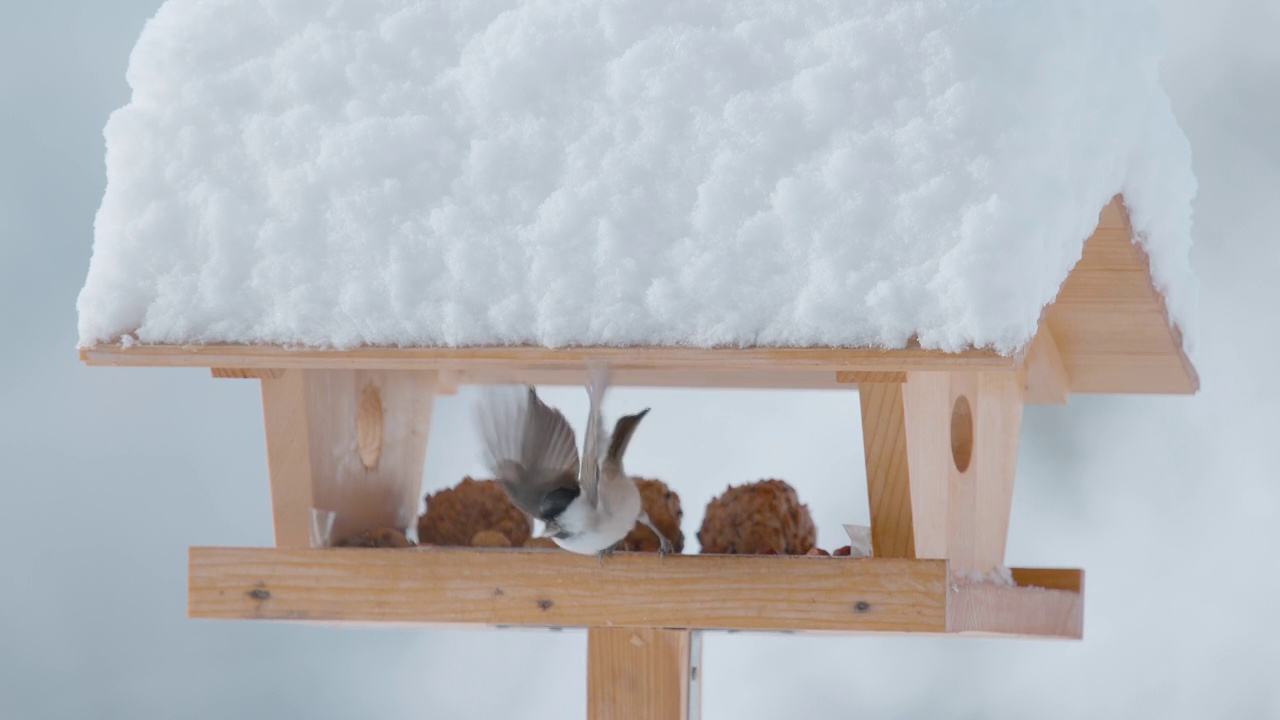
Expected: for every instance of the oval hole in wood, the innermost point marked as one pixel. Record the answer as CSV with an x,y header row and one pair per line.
x,y
961,433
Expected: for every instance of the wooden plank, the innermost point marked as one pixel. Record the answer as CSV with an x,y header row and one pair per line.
x,y
1099,374
884,440
986,609
347,442
997,410
284,409
1047,379
863,377
246,373
1110,325
526,358
368,437
551,588
639,674
962,433
643,377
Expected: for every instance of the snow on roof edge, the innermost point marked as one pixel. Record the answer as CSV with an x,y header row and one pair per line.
x,y
223,250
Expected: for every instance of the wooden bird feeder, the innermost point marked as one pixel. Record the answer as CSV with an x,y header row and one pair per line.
x,y
940,431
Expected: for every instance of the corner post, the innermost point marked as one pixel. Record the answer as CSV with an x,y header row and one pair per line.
x,y
350,442
941,453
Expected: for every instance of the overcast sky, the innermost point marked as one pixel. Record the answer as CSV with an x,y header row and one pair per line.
x,y
1170,504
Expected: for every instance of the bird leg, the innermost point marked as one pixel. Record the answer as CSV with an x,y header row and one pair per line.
x,y
608,551
664,546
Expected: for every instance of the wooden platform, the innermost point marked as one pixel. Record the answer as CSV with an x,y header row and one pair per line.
x,y
552,588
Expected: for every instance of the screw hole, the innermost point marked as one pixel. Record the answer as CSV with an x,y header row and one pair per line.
x,y
961,433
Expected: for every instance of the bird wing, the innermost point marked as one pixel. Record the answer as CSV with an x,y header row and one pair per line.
x,y
594,441
529,447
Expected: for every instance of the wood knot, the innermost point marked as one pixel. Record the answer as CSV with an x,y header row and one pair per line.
x,y
369,427
545,605
259,592
862,606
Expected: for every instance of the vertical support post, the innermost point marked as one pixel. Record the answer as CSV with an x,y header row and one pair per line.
x,y
284,409
884,442
351,442
958,433
643,674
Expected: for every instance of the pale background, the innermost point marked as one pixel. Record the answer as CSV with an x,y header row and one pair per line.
x,y
1170,504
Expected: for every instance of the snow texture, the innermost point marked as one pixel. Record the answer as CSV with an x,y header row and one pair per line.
x,y
668,172
999,576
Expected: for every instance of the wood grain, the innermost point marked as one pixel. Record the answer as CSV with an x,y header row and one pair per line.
x,y
284,408
884,441
528,358
863,377
369,428
360,497
552,588
347,442
1109,323
961,513
639,674
982,609
246,373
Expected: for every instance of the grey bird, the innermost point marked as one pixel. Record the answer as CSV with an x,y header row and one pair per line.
x,y
587,507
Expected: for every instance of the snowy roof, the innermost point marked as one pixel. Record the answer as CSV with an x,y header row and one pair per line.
x,y
634,172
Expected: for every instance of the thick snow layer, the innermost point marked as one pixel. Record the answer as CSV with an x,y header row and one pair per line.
x,y
743,172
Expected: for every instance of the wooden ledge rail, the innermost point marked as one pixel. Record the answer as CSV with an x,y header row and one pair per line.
x,y
491,359
552,588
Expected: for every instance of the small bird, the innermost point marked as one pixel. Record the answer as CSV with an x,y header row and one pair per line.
x,y
531,449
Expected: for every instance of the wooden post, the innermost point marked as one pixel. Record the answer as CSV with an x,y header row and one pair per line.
x,y
884,442
350,442
941,450
643,674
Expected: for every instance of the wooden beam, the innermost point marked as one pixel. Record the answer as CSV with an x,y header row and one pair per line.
x,y
656,377
246,373
546,588
349,444
641,674
860,377
528,358
983,609
284,406
884,440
